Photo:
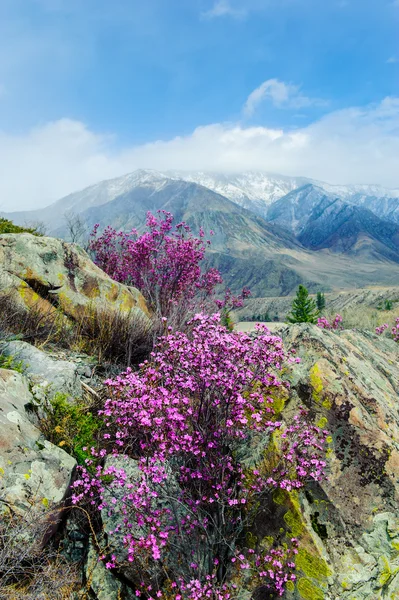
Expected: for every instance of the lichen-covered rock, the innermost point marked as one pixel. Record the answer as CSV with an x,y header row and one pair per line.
x,y
102,583
50,272
56,376
349,525
31,468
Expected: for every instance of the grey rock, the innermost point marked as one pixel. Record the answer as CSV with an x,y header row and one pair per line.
x,y
31,467
60,375
46,272
103,584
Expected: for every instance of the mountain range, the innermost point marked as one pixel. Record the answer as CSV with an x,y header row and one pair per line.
x,y
272,232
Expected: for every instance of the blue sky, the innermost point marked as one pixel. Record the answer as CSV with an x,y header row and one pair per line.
x,y
93,88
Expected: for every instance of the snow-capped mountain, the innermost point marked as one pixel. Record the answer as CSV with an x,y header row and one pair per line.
x,y
253,190
271,231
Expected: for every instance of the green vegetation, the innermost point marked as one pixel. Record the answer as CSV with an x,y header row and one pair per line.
x,y
7,226
10,362
304,309
320,301
72,426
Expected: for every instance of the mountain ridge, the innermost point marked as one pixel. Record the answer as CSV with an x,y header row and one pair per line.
x,y
250,248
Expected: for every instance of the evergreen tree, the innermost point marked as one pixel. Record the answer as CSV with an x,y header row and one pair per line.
x,y
320,301
304,309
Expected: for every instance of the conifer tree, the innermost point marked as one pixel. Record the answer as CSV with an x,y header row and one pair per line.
x,y
320,301
304,309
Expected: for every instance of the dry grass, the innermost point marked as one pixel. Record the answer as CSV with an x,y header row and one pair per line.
x,y
115,336
30,569
37,325
365,317
111,335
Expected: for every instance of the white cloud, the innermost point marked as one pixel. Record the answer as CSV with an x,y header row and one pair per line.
x,y
223,8
392,60
282,95
355,145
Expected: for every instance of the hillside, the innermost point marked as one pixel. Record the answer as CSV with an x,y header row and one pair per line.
x,y
346,524
361,307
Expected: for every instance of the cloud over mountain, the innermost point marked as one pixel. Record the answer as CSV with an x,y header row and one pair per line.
x,y
355,145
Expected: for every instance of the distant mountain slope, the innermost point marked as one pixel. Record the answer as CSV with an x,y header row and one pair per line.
x,y
320,220
251,189
248,249
352,230
294,210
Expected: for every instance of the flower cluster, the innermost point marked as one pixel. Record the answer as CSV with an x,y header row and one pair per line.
x,y
394,330
335,325
231,302
164,263
380,330
186,417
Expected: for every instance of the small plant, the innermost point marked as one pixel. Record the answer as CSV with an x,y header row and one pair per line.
x,y
11,363
380,330
30,568
394,330
304,309
388,304
320,301
74,426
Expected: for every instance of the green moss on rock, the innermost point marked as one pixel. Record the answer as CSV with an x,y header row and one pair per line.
x,y
308,591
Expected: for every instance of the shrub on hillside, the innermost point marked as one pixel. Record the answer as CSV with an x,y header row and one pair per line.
x,y
112,335
38,323
165,264
188,417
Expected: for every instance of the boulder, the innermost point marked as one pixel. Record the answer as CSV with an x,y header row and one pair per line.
x,y
348,526
31,468
56,376
48,272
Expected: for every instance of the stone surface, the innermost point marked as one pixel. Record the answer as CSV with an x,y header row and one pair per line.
x,y
349,525
102,583
49,272
57,376
31,467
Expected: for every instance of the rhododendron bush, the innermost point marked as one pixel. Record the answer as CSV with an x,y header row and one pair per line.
x,y
394,330
334,325
164,263
187,419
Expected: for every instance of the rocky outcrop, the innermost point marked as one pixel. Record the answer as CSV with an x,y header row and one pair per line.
x,y
31,468
349,525
48,273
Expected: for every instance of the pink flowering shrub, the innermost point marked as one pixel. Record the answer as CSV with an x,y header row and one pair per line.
x,y
394,330
335,325
380,330
164,263
188,418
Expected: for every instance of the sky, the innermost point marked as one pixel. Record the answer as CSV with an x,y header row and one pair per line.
x,y
94,89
